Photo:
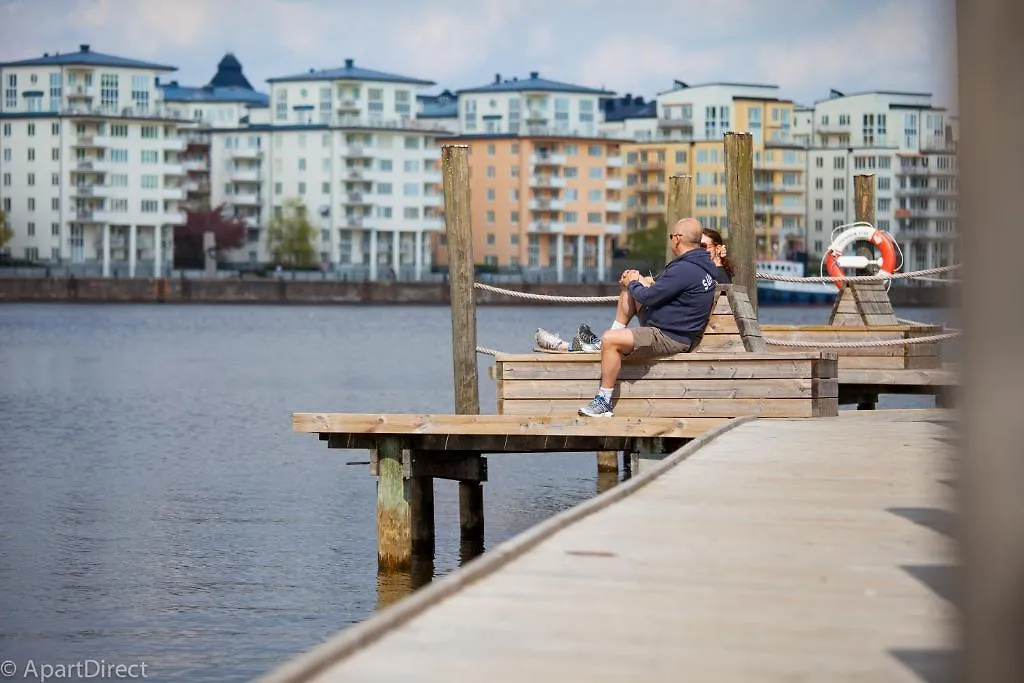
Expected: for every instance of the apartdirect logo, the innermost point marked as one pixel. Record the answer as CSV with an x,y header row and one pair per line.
x,y
88,669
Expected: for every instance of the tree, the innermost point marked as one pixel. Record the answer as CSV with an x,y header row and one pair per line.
x,y
6,234
290,237
648,246
228,233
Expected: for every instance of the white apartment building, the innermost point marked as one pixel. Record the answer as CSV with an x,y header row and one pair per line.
x,y
909,145
225,102
441,109
531,106
90,170
347,143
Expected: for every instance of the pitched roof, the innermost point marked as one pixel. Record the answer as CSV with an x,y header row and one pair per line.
x,y
628,107
536,84
349,72
229,74
86,57
183,93
441,106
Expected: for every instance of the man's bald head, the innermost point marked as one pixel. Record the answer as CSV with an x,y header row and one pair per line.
x,y
689,231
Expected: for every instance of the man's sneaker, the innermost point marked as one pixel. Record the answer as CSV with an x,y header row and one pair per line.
x,y
588,341
549,341
596,408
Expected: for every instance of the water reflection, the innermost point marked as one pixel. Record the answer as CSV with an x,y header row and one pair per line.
x,y
393,585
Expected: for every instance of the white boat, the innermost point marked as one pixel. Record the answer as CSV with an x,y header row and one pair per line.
x,y
775,291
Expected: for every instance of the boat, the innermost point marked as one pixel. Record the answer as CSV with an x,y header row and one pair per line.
x,y
775,291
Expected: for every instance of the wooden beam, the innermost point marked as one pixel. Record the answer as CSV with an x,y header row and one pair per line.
x,y
680,205
864,210
517,443
455,465
739,201
607,461
497,425
455,174
991,175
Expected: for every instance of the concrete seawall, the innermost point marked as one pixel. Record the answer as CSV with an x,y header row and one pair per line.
x,y
100,290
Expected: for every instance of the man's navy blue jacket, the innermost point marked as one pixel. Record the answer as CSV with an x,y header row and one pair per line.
x,y
680,300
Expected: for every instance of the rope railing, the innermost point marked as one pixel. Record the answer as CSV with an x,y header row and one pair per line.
x,y
929,339
555,298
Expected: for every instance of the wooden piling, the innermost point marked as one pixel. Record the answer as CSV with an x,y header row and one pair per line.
x,y
455,175
739,199
864,210
680,205
394,528
607,461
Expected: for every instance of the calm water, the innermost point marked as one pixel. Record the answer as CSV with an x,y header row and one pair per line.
x,y
156,506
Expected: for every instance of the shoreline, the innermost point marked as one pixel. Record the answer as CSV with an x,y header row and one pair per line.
x,y
325,292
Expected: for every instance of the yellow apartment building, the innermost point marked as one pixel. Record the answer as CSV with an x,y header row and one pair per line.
x,y
548,206
682,146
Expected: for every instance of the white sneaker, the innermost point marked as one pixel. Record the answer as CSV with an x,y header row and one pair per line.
x,y
549,341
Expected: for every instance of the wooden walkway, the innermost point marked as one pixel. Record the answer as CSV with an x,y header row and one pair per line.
x,y
770,550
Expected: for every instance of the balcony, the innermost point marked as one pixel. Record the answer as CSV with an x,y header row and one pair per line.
x,y
81,93
87,190
173,169
613,229
173,218
547,226
174,193
357,152
348,107
675,124
536,115
195,165
613,207
85,142
245,175
172,144
358,199
649,189
544,159
245,199
433,200
614,183
654,208
547,204
355,222
247,153
644,166
546,181
613,161
765,208
433,223
197,186
923,192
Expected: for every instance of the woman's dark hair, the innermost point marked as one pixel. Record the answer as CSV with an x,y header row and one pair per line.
x,y
716,238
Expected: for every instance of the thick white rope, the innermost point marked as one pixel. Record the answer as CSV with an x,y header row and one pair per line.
x,y
488,352
861,345
547,297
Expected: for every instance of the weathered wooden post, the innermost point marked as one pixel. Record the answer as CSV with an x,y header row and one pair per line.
x,y
680,205
991,468
455,174
739,200
864,210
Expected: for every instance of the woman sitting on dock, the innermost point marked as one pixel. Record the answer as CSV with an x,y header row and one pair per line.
x,y
715,245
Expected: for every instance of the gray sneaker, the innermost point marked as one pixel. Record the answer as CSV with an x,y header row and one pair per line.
x,y
597,408
588,341
549,341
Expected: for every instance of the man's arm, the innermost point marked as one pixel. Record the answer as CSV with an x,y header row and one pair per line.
x,y
664,289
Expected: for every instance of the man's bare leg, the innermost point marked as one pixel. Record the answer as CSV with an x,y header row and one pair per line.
x,y
615,344
625,308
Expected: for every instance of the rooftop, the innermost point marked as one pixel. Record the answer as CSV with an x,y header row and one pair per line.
x,y
229,74
534,84
442,105
681,85
628,107
349,72
208,93
86,57
834,94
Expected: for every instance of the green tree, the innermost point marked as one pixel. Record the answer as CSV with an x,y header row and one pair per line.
x,y
291,235
6,234
648,246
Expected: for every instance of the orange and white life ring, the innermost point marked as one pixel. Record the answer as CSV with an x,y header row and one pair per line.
x,y
883,241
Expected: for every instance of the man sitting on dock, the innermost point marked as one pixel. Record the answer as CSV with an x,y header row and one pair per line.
x,y
673,311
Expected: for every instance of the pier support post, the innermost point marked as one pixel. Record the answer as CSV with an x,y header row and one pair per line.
x,y
864,210
607,461
680,205
455,176
739,206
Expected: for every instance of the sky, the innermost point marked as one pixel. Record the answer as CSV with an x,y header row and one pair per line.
x,y
806,47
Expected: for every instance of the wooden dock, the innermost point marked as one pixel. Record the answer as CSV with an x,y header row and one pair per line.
x,y
812,549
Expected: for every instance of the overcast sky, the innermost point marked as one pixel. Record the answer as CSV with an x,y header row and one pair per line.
x,y
636,46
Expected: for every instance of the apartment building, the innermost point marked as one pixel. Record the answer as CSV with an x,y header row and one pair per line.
x,y
224,102
909,146
441,109
547,187
683,132
531,106
90,169
347,143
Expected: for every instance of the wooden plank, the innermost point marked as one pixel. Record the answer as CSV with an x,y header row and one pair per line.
x,y
500,425
700,388
554,442
718,343
764,368
880,362
737,359
721,324
683,407
458,466
937,377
